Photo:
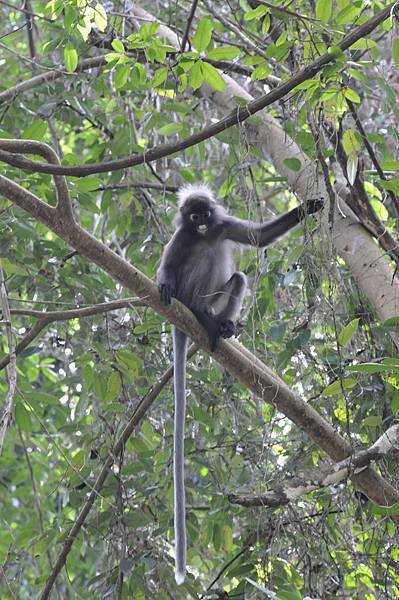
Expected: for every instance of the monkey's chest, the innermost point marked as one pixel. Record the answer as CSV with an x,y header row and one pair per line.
x,y
203,273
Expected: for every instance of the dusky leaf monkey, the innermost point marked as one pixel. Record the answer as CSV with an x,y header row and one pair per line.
x,y
197,268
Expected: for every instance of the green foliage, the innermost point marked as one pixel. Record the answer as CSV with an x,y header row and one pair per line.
x,y
80,380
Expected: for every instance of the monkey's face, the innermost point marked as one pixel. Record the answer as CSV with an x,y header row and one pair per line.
x,y
198,217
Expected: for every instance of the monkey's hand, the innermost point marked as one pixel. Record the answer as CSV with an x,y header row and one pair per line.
x,y
166,292
312,205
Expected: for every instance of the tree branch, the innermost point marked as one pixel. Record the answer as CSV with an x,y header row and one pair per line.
x,y
236,116
249,370
188,26
45,318
299,486
52,75
63,210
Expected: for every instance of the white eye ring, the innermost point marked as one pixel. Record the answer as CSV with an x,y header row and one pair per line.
x,y
207,214
194,217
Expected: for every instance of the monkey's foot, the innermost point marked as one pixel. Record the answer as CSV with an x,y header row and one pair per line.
x,y
227,329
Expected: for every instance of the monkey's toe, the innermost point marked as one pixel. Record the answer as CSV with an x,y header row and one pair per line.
x,y
227,329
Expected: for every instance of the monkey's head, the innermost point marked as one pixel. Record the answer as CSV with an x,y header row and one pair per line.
x,y
199,212
198,215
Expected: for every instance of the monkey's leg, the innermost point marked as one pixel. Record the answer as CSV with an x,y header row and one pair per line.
x,y
228,302
224,306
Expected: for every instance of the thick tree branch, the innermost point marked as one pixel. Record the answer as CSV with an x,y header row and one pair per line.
x,y
241,364
236,116
297,487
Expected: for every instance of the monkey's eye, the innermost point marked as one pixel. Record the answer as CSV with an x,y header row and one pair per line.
x,y
207,214
194,217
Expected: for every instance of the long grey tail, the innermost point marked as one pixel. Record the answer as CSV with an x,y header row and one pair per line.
x,y
180,343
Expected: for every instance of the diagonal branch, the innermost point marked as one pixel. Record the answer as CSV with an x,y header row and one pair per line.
x,y
236,116
297,487
249,370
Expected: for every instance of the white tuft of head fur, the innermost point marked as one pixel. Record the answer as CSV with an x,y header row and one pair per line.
x,y
192,190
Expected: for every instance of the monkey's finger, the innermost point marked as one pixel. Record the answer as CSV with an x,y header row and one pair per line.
x,y
165,293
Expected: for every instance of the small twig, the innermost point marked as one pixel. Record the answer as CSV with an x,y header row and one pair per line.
x,y
371,153
5,418
237,30
29,24
140,185
188,26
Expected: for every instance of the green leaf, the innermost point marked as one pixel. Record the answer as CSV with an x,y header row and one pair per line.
x,y
349,13
351,141
213,77
370,368
159,76
391,323
170,129
223,53
70,58
392,185
323,10
118,46
121,76
390,165
371,421
395,51
351,95
261,72
203,34
88,184
196,75
35,131
113,387
100,17
388,511
348,332
69,17
336,387
22,418
257,13
293,163
227,538
363,44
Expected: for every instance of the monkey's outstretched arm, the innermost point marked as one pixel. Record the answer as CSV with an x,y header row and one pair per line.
x,y
255,234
